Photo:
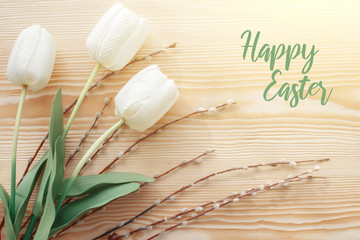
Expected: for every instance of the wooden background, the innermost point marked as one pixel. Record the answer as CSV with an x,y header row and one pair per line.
x,y
208,69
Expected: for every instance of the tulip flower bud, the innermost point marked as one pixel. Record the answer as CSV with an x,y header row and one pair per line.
x,y
145,98
32,58
117,37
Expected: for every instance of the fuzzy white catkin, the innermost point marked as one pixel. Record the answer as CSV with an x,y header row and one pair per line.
x,y
145,98
32,58
230,101
198,209
117,37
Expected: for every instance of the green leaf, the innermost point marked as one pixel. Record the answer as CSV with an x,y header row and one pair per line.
x,y
55,130
73,210
54,171
40,197
24,190
56,127
55,183
4,196
86,184
57,174
49,209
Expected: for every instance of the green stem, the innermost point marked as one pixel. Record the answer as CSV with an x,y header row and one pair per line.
x,y
81,99
14,148
85,158
30,227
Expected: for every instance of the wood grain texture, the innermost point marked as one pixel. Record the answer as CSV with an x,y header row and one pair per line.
x,y
208,69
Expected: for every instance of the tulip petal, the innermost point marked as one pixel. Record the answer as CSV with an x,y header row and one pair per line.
x,y
117,37
141,87
155,108
146,98
32,58
131,46
42,62
119,31
21,54
100,30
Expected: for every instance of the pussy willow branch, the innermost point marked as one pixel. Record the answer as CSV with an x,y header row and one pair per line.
x,y
99,149
218,203
183,188
68,108
86,134
223,202
134,145
135,60
201,110
158,176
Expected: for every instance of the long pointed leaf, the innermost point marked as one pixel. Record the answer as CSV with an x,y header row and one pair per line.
x,y
48,213
4,196
40,197
24,190
73,210
54,170
57,173
55,130
86,184
56,127
55,182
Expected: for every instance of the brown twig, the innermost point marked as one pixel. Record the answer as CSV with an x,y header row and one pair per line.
x,y
98,150
135,60
195,159
86,134
183,188
218,204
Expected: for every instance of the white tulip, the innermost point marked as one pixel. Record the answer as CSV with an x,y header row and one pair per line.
x,y
117,37
32,58
145,98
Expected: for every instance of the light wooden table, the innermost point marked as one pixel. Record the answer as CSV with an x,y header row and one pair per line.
x,y
208,69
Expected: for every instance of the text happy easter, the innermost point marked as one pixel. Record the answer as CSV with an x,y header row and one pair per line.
x,y
292,92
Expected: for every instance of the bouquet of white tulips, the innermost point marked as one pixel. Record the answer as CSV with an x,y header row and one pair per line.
x,y
142,101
